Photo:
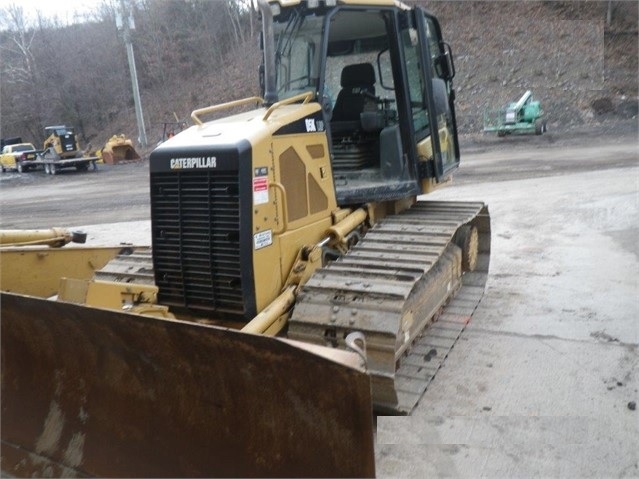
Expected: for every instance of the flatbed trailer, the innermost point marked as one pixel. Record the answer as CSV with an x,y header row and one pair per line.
x,y
53,165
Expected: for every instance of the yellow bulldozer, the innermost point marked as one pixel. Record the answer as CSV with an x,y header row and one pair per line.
x,y
295,283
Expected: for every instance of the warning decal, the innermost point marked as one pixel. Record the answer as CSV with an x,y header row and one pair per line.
x,y
260,190
263,239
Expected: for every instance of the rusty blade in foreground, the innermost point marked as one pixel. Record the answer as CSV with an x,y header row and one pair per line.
x,y
91,392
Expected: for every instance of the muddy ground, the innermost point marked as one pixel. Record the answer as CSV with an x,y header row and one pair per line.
x,y
121,193
543,381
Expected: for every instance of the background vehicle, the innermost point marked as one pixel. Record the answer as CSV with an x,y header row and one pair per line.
x,y
61,140
522,116
62,150
118,148
17,156
298,219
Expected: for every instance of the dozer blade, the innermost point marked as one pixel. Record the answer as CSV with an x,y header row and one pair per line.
x,y
93,392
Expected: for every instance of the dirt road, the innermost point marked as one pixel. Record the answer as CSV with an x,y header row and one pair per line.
x,y
71,198
121,193
542,381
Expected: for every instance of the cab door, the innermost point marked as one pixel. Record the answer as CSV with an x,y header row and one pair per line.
x,y
436,62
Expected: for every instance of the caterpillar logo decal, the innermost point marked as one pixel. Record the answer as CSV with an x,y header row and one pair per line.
x,y
196,162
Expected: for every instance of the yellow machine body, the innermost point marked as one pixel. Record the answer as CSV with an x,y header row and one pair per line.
x,y
297,219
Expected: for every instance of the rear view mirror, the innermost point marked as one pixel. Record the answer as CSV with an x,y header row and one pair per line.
x,y
445,65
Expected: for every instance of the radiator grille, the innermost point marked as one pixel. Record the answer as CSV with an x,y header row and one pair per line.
x,y
196,240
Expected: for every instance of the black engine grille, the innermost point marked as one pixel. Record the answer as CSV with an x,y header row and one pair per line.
x,y
196,240
68,143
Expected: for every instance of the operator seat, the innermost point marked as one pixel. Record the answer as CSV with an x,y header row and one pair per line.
x,y
355,143
351,100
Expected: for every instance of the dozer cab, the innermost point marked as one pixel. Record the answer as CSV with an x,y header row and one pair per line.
x,y
294,281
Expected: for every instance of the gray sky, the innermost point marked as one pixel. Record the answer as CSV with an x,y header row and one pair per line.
x,y
64,10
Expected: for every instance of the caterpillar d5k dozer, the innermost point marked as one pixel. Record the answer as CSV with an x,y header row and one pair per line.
x,y
294,283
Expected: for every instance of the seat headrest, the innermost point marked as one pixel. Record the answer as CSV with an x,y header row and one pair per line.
x,y
360,74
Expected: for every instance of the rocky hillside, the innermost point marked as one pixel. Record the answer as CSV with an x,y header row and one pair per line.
x,y
583,70
579,58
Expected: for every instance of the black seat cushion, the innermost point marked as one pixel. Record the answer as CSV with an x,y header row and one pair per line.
x,y
350,101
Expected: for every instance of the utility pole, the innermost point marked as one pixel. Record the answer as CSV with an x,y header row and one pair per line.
x,y
124,22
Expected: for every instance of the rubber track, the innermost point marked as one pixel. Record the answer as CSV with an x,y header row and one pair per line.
x,y
368,290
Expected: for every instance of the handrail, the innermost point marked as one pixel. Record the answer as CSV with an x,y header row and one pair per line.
x,y
306,96
195,115
280,187
223,106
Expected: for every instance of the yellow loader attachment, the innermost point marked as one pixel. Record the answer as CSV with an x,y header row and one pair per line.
x,y
96,392
37,271
119,148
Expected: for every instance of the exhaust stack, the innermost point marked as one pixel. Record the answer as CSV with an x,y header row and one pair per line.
x,y
270,87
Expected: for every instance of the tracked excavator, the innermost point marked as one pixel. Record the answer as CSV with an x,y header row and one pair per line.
x,y
296,281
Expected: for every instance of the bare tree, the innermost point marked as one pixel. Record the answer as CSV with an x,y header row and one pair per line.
x,y
21,78
186,56
234,11
23,71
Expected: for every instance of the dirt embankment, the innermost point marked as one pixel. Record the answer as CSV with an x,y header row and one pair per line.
x,y
581,67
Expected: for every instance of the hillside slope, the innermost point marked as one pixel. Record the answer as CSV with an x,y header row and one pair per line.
x,y
579,63
582,70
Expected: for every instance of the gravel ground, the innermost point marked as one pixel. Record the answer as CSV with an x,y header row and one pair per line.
x,y
543,381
